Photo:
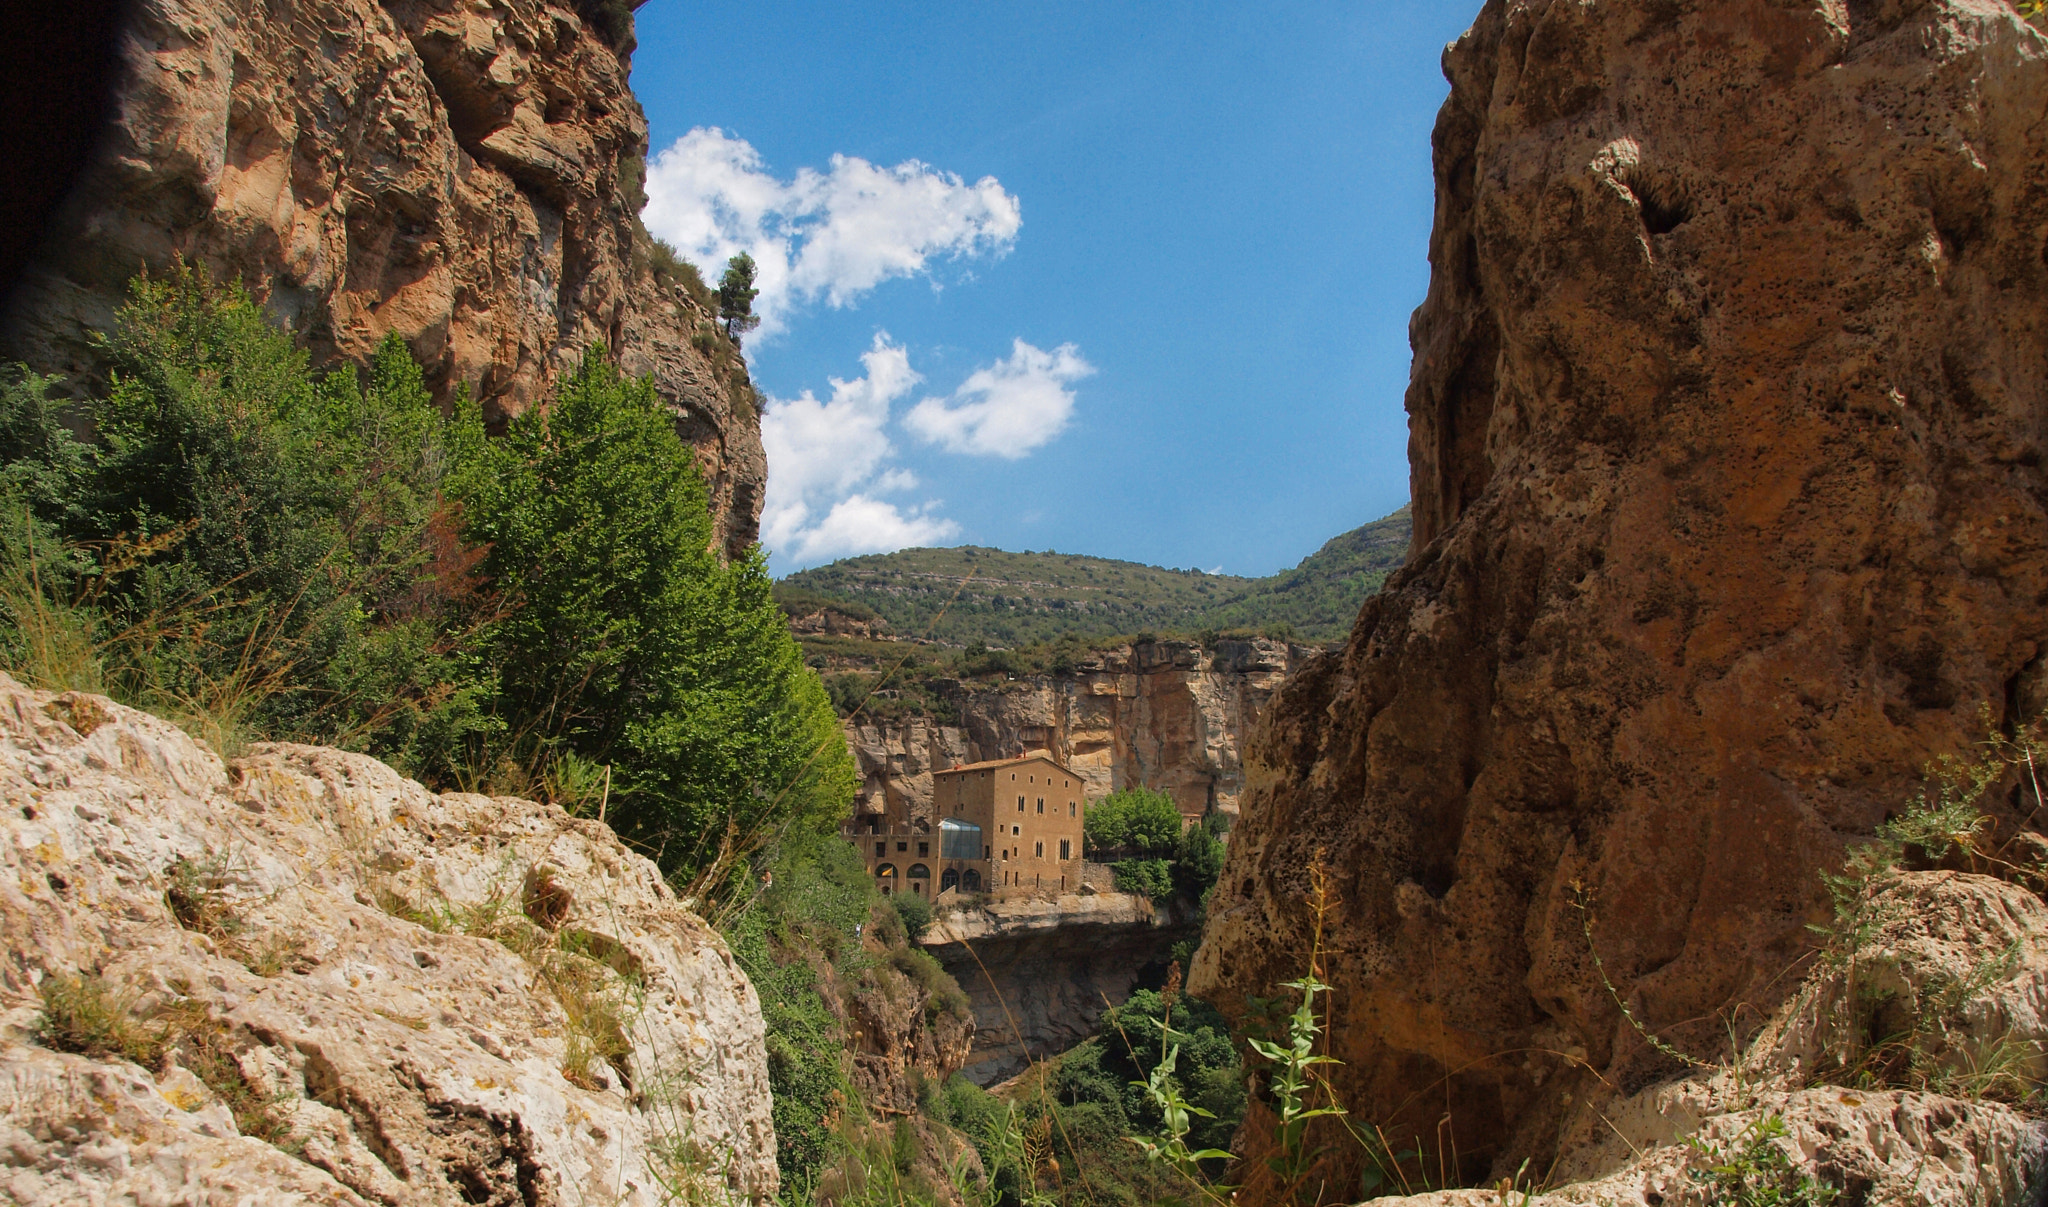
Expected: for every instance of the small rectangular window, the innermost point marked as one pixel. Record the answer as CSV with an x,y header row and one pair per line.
x,y
1020,804
924,848
1041,804
1066,848
1016,829
1040,852
881,849
902,846
1071,808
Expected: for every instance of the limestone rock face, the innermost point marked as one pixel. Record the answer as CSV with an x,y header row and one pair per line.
x,y
1168,715
1726,434
1038,973
465,175
416,990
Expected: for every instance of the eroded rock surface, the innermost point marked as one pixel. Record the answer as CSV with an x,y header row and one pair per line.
x,y
1039,973
1939,931
1168,715
424,999
1726,437
466,175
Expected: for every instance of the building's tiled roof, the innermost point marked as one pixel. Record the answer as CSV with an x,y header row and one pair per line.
x,y
992,764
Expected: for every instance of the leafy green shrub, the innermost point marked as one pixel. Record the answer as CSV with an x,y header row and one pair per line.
x,y
916,913
631,643
265,551
1198,859
1152,878
1136,820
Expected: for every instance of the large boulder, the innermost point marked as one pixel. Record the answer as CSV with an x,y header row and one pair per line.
x,y
338,987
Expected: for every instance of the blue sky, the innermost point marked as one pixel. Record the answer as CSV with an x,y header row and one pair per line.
x,y
1130,280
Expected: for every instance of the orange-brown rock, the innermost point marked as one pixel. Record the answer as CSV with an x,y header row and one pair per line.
x,y
1727,422
465,175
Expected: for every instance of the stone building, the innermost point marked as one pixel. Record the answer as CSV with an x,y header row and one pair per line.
x,y
1005,828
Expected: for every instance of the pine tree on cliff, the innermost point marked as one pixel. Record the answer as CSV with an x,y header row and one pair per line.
x,y
736,294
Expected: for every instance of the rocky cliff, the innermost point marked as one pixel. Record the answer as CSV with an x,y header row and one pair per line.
x,y
297,977
465,175
1727,443
1167,715
1039,973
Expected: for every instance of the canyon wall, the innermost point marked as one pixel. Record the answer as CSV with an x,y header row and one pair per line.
x,y
467,176
297,976
1167,715
1038,974
1727,445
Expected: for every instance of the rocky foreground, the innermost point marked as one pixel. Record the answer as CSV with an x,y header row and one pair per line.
x,y
324,984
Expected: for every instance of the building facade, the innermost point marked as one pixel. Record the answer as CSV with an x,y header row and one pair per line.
x,y
1011,827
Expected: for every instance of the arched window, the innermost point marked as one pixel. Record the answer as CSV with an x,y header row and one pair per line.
x,y
919,871
949,880
970,882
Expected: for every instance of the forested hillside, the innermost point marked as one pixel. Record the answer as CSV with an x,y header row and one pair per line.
x,y
1002,599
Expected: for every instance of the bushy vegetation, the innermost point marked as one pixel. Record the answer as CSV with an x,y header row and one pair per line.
x,y
261,551
819,927
998,599
1139,832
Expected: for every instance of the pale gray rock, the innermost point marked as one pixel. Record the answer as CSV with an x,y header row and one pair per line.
x,y
413,1063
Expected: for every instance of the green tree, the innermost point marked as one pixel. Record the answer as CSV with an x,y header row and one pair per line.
x,y
736,294
1135,820
1197,860
630,643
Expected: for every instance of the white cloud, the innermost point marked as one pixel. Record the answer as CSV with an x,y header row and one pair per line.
x,y
860,524
834,234
827,462
1007,409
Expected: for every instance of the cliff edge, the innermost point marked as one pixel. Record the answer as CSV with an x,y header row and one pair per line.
x,y
1726,439
468,176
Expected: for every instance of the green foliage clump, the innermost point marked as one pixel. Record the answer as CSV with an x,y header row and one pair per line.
x,y
258,550
736,294
915,912
1136,821
1752,1170
632,644
1151,878
1198,858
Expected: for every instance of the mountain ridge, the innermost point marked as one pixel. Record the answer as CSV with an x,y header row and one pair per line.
x,y
970,594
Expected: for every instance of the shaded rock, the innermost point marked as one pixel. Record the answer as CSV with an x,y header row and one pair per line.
x,y
389,996
1726,432
1038,973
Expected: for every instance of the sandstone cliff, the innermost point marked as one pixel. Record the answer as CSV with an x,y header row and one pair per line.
x,y
1727,424
1167,715
340,988
465,175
